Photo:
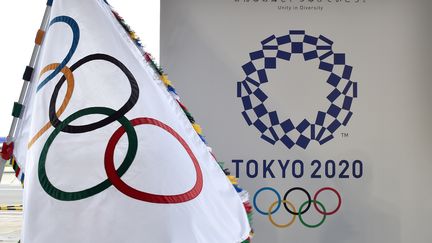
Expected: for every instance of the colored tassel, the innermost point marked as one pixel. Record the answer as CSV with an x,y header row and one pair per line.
x,y
202,138
227,172
7,150
165,80
197,128
247,240
187,113
233,180
171,89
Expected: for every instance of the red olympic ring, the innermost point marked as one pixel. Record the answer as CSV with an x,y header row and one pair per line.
x,y
144,196
327,189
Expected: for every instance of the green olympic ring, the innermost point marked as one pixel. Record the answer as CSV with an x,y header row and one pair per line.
x,y
310,225
78,195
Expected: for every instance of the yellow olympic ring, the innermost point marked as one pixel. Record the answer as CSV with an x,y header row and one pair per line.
x,y
281,225
70,87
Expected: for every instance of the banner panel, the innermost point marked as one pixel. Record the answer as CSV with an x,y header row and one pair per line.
x,y
320,108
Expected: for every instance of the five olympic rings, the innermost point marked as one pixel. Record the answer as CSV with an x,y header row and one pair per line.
x,y
127,126
290,208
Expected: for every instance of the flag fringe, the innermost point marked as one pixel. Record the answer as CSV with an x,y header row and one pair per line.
x,y
164,78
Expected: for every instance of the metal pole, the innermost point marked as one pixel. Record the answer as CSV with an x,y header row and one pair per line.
x,y
19,107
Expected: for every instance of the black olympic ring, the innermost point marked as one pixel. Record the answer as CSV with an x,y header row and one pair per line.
x,y
117,115
299,189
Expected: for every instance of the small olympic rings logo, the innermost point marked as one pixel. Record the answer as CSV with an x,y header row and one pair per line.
x,y
291,209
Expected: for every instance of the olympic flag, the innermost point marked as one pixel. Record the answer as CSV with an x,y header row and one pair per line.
x,y
107,151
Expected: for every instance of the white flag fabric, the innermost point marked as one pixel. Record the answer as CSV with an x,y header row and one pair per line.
x,y
108,153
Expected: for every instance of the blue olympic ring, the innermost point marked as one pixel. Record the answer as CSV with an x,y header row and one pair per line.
x,y
267,122
76,36
267,189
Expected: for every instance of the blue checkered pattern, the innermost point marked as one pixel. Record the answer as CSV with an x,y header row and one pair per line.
x,y
267,122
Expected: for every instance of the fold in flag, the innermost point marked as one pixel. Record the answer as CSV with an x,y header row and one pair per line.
x,y
108,152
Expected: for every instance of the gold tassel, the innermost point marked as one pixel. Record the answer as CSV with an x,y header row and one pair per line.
x,y
197,128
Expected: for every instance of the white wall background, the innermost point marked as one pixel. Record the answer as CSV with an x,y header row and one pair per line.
x,y
19,22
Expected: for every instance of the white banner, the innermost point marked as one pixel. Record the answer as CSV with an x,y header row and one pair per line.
x,y
320,108
108,153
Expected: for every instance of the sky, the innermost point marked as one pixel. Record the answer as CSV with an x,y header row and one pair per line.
x,y
19,22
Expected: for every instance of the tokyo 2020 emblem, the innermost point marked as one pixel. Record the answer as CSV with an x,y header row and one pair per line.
x,y
271,127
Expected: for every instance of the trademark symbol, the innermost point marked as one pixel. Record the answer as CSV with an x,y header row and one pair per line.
x,y
344,134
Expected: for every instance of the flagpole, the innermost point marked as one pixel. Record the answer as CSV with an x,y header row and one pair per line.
x,y
19,106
